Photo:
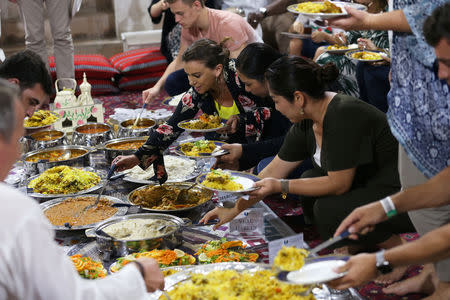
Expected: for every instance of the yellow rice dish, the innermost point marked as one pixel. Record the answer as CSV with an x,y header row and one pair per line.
x,y
367,55
63,180
290,258
318,7
194,148
221,180
336,47
40,118
229,284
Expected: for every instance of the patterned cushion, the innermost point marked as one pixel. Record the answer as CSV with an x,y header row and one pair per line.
x,y
95,66
139,82
100,86
139,61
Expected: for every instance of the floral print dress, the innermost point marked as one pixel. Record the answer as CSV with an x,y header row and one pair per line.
x,y
347,67
251,121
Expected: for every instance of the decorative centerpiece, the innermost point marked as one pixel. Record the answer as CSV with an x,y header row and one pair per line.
x,y
75,111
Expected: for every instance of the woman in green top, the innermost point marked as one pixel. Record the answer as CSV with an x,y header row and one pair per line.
x,y
353,151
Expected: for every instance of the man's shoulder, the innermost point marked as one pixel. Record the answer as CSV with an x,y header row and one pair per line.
x,y
14,202
225,16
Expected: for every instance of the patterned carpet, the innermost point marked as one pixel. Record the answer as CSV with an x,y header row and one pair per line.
x,y
289,211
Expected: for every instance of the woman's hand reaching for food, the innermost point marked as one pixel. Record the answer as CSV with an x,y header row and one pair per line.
x,y
366,44
150,94
266,187
231,125
224,215
125,162
231,160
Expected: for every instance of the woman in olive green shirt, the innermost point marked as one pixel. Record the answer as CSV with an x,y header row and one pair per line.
x,y
353,151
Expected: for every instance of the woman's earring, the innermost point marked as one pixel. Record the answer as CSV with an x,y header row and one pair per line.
x,y
302,112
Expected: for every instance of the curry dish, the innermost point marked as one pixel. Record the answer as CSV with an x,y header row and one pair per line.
x,y
92,129
204,122
133,145
318,7
47,135
63,180
221,180
55,155
366,55
197,147
40,118
290,258
65,211
230,284
163,197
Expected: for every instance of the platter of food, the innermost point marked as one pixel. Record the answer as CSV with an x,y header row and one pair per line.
x,y
87,267
336,49
200,148
63,181
41,119
163,198
256,281
219,251
205,123
228,181
323,10
55,155
165,258
178,169
62,212
366,55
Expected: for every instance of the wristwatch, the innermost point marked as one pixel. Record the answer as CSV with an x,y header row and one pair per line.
x,y
383,266
263,10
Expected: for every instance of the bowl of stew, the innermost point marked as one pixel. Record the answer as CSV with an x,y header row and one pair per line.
x,y
38,161
142,128
122,146
48,139
92,134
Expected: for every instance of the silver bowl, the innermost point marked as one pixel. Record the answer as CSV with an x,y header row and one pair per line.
x,y
125,131
57,138
92,134
110,153
33,168
49,204
117,247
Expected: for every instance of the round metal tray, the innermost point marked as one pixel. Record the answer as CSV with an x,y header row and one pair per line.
x,y
120,210
208,193
197,171
52,196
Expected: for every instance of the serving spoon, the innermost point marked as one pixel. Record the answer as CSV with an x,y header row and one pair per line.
x,y
140,114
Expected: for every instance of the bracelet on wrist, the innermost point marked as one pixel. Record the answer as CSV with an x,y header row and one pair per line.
x,y
140,268
284,188
388,206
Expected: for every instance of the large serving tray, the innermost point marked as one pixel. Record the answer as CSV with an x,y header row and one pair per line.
x,y
48,204
183,185
197,171
52,196
173,280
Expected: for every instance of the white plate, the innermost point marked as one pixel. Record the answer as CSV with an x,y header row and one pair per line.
x,y
317,272
348,54
324,16
342,51
222,125
43,126
246,179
